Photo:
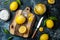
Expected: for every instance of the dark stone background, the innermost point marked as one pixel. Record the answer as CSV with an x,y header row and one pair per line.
x,y
52,10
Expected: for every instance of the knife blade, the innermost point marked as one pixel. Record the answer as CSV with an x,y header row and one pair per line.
x,y
39,23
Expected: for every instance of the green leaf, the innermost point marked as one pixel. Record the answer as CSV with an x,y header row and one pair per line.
x,y
6,31
19,2
45,21
10,38
6,2
53,18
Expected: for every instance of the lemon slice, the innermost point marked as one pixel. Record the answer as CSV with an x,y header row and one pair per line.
x,y
51,1
22,29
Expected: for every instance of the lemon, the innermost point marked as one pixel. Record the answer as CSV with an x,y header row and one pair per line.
x,y
51,1
40,9
44,37
30,14
22,29
41,29
49,23
20,19
30,19
13,6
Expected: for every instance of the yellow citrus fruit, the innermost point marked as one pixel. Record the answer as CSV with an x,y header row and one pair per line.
x,y
30,19
40,9
41,29
20,19
22,29
30,14
51,1
13,6
49,23
44,37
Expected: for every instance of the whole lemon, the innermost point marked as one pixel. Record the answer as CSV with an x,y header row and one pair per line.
x,y
41,29
49,23
51,1
20,19
44,37
22,29
13,6
40,9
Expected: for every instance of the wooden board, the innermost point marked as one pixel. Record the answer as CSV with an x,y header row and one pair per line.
x,y
14,26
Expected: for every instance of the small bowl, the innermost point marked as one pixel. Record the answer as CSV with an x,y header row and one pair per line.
x,y
7,14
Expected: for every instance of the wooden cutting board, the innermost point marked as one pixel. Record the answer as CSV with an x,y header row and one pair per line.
x,y
14,26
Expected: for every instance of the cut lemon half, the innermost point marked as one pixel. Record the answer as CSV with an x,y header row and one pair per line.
x,y
51,1
22,29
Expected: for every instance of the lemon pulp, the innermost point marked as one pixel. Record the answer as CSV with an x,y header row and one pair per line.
x,y
51,1
22,29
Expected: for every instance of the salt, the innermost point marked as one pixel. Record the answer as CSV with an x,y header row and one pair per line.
x,y
4,15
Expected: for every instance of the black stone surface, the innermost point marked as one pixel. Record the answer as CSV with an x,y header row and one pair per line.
x,y
52,10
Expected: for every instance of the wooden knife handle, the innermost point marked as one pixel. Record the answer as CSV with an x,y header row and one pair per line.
x,y
34,33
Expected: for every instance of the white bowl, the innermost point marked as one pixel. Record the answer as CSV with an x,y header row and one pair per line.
x,y
4,15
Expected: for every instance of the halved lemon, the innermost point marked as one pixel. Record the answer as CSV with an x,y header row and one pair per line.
x,y
51,1
22,29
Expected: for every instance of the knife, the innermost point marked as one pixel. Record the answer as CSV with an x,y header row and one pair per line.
x,y
39,23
